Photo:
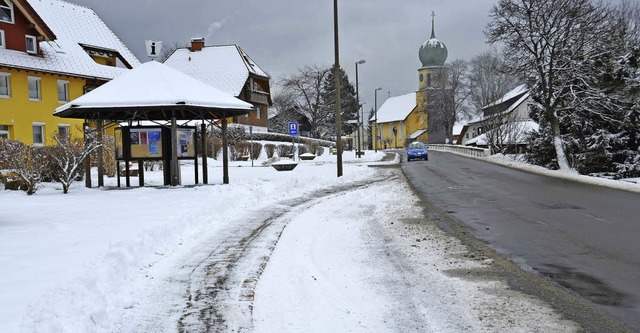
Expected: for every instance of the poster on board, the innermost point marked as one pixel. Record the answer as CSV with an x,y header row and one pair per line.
x,y
146,143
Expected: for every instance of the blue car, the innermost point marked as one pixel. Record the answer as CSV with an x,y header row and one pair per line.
x,y
417,151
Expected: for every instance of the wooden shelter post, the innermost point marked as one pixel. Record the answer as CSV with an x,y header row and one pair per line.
x,y
205,172
100,125
87,161
225,154
174,154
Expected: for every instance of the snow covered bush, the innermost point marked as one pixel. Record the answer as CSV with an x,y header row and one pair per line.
x,y
239,149
256,150
312,147
28,163
285,150
269,149
68,156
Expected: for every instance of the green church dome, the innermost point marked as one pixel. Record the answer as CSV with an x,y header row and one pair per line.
x,y
433,52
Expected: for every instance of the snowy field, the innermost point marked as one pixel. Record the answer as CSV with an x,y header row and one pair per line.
x,y
103,260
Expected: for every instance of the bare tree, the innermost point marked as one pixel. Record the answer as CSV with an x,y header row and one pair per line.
x,y
69,154
504,132
488,80
304,93
283,111
167,50
448,102
552,39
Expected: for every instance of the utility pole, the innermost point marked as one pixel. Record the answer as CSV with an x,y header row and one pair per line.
x,y
375,106
358,153
337,80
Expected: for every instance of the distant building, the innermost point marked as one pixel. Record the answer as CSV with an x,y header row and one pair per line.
x,y
507,119
230,69
51,52
404,119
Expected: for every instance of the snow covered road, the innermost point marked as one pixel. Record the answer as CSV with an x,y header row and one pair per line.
x,y
355,258
299,251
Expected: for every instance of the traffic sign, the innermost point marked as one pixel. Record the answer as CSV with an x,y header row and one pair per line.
x,y
293,128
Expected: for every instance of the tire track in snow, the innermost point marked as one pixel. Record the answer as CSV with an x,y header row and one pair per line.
x,y
220,290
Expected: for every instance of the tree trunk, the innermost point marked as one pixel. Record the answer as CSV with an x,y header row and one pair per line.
x,y
558,144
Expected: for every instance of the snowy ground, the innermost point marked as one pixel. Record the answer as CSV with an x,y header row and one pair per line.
x,y
294,251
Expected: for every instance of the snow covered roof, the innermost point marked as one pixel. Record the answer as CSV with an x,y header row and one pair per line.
x,y
226,67
457,128
152,85
521,89
72,25
396,108
514,135
416,134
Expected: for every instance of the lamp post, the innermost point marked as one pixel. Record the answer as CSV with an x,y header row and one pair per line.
x,y
375,106
358,153
337,80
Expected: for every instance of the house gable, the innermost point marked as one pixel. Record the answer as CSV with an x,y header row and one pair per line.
x,y
24,23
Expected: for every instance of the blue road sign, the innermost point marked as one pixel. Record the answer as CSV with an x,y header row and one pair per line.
x,y
293,128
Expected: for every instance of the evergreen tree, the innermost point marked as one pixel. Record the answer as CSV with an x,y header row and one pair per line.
x,y
348,102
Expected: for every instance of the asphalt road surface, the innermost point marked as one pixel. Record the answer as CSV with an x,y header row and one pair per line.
x,y
585,238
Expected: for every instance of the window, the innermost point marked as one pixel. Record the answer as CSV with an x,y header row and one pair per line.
x,y
63,91
34,89
4,131
63,133
6,11
32,44
5,85
3,44
38,134
258,110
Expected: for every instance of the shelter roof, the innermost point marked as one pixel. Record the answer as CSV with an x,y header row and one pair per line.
x,y
153,91
226,67
72,26
396,108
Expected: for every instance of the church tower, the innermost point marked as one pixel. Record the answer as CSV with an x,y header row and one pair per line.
x,y
432,75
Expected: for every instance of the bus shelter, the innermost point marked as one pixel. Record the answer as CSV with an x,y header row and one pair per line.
x,y
156,92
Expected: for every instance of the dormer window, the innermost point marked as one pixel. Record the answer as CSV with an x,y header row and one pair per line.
x,y
6,11
32,44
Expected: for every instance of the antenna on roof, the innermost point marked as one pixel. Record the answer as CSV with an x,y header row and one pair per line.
x,y
153,49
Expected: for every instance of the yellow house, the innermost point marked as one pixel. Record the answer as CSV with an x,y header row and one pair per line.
x,y
399,121
404,119
51,52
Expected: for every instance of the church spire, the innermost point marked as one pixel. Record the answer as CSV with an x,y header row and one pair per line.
x,y
433,25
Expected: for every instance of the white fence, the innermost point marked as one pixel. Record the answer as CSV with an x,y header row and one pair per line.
x,y
472,151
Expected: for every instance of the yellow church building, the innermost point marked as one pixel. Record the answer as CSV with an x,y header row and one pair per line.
x,y
405,119
52,52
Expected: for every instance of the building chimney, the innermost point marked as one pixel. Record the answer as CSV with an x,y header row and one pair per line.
x,y
197,44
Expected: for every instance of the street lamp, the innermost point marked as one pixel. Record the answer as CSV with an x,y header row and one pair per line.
x,y
375,106
358,153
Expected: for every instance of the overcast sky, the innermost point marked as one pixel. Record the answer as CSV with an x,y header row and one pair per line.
x,y
283,35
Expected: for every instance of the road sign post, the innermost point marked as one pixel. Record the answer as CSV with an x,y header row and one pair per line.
x,y
293,131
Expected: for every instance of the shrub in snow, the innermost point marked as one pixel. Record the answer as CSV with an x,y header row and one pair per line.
x,y
109,155
269,149
256,150
320,151
302,149
152,165
239,149
26,162
216,147
312,147
285,150
68,156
